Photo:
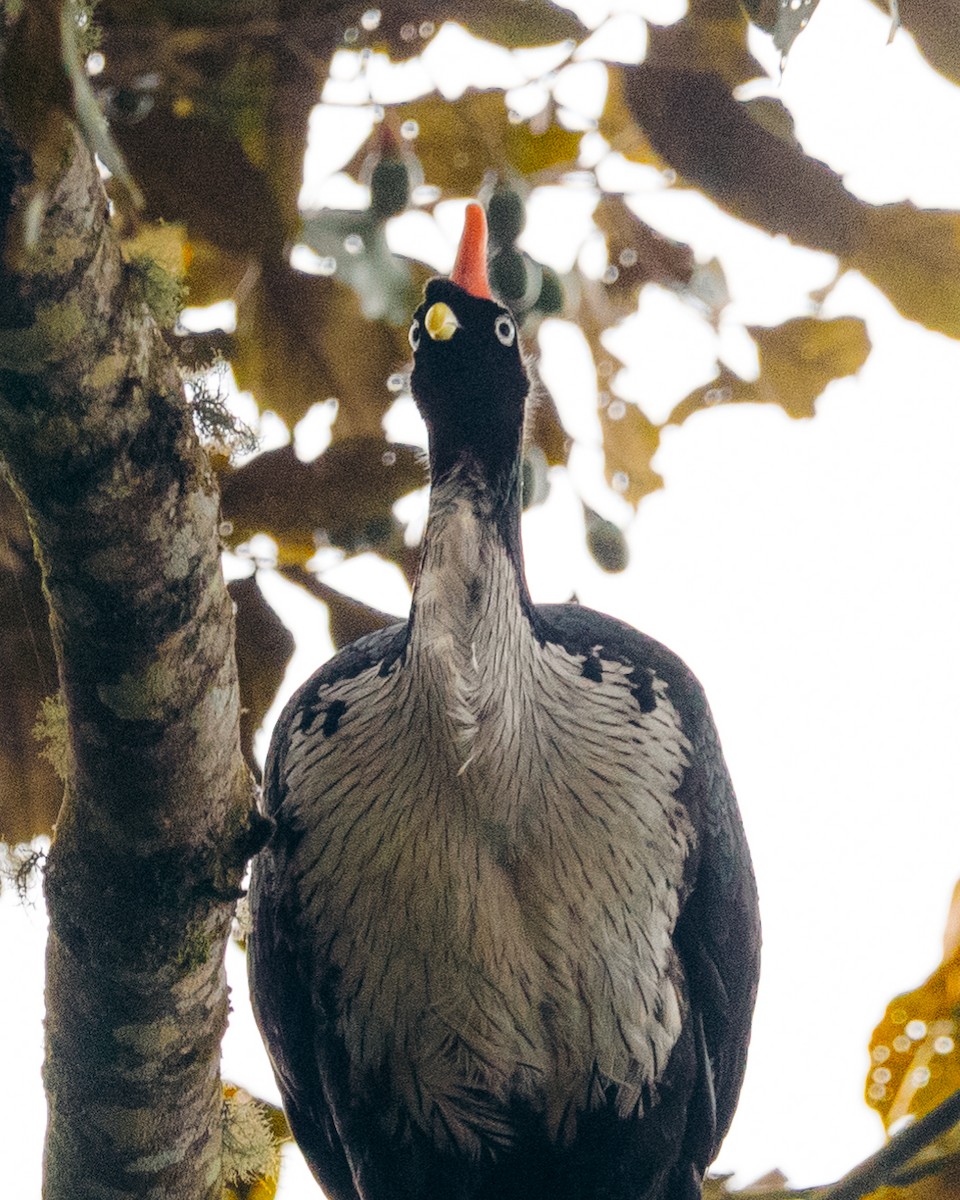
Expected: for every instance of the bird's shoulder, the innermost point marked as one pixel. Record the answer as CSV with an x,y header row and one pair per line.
x,y
317,698
584,631
381,648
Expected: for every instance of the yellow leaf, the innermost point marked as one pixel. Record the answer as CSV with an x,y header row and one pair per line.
x,y
913,254
630,441
459,143
800,357
915,1050
530,151
545,430
797,361
165,243
213,273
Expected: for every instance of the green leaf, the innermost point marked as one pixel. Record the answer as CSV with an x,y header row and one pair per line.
x,y
357,244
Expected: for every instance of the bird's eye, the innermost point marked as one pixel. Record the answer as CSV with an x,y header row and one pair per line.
x,y
414,335
505,330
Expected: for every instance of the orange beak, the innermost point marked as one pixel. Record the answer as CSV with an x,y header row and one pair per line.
x,y
470,269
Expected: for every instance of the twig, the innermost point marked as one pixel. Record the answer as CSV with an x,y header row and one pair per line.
x,y
877,1170
924,1167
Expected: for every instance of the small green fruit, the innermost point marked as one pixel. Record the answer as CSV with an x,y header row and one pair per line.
x,y
607,545
389,187
508,275
506,215
550,300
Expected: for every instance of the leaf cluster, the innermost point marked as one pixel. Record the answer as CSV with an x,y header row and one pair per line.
x,y
204,111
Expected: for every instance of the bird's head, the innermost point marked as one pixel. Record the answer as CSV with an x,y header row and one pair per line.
x,y
469,380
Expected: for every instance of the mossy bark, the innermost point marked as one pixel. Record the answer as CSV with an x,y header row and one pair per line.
x,y
99,446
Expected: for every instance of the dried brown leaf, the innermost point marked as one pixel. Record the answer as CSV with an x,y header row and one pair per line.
x,y
264,647
618,125
763,176
212,273
532,23
344,498
639,253
350,619
710,138
933,24
302,339
711,39
212,119
459,143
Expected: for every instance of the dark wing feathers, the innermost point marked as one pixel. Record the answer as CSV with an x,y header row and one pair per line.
x,y
718,933
291,1018
288,1022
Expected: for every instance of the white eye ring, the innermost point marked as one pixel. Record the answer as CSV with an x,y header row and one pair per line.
x,y
414,335
505,330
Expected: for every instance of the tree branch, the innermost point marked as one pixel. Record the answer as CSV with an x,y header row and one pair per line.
x,y
157,819
880,1169
894,1165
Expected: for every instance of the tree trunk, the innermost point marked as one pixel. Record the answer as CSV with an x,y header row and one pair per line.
x,y
157,820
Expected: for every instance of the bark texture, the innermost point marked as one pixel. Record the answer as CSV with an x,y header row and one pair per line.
x,y
156,824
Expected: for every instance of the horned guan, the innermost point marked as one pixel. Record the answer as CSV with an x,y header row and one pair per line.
x,y
505,938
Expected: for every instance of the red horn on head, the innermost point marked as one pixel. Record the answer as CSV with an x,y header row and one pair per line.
x,y
470,269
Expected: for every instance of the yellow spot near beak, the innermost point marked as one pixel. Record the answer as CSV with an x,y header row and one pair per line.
x,y
440,322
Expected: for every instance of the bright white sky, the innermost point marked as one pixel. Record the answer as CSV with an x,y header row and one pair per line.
x,y
808,572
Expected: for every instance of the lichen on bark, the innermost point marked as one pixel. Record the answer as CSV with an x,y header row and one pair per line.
x,y
98,443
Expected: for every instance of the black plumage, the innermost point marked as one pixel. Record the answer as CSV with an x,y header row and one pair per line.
x,y
505,937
